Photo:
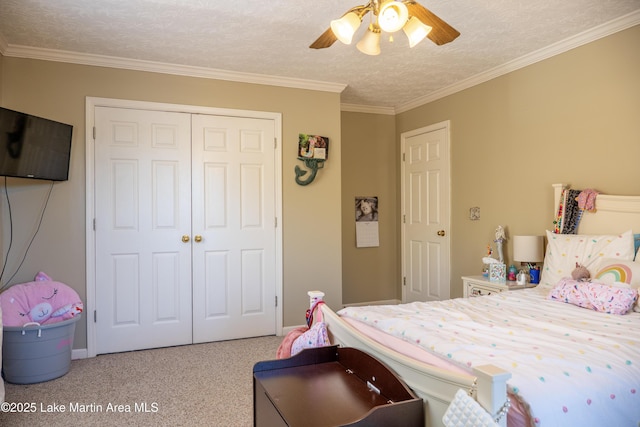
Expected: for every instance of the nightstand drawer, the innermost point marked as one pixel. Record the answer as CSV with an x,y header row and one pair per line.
x,y
475,286
476,290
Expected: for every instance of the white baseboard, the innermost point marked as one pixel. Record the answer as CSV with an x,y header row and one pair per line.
x,y
79,353
382,302
287,329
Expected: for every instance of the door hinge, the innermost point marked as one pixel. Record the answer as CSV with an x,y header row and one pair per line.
x,y
403,157
404,281
275,222
95,316
94,133
276,300
94,224
404,219
275,142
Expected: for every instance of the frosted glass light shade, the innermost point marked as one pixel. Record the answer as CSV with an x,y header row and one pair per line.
x,y
345,27
416,31
528,248
370,42
392,16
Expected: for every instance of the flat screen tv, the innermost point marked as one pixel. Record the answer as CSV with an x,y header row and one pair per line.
x,y
34,147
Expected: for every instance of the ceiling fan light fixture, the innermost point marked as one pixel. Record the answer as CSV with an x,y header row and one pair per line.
x,y
392,16
416,31
370,42
345,27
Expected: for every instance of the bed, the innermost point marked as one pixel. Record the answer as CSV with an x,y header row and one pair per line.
x,y
599,380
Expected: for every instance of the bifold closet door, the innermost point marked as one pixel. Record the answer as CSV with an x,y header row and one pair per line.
x,y
143,210
233,220
185,228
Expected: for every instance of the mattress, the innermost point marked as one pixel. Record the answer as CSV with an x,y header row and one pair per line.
x,y
569,365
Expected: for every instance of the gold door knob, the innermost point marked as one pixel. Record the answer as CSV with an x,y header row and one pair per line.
x,y
185,238
441,233
198,238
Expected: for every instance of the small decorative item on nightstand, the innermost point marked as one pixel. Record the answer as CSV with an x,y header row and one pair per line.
x,y
497,272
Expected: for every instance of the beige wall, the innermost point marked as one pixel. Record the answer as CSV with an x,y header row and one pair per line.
x,y
311,215
369,168
572,118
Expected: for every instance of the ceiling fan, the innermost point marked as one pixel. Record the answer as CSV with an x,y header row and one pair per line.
x,y
390,16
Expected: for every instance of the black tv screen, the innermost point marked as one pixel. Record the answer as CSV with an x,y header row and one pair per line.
x,y
34,147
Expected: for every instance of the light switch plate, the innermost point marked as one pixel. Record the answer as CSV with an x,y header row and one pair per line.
x,y
474,213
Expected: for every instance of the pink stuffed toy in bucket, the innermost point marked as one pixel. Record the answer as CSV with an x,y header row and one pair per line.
x,y
43,301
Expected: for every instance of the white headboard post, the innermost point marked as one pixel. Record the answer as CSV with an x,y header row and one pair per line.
x,y
557,193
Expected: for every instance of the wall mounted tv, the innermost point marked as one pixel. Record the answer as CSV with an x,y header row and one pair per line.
x,y
34,147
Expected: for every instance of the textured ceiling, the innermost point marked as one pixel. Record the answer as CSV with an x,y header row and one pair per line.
x,y
271,38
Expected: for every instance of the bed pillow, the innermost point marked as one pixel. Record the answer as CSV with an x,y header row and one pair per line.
x,y
612,271
564,250
595,296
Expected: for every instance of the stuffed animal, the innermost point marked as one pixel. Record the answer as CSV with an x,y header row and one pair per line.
x,y
43,301
580,273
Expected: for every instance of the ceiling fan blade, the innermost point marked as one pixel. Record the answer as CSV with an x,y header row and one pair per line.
x,y
325,40
441,32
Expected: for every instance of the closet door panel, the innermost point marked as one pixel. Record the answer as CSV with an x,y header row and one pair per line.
x,y
234,213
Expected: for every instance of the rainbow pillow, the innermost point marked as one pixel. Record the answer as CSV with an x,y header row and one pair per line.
x,y
611,270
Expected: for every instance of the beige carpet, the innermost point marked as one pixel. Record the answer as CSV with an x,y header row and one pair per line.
x,y
194,385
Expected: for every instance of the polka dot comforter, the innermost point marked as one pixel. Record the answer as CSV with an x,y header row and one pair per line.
x,y
570,366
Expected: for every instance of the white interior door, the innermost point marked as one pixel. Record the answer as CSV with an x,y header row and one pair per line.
x,y
185,233
426,214
234,287
142,210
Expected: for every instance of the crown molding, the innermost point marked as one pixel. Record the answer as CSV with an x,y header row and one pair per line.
x,y
164,68
614,26
372,109
596,33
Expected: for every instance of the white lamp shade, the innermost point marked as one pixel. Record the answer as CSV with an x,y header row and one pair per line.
x,y
416,31
370,42
345,27
528,248
392,16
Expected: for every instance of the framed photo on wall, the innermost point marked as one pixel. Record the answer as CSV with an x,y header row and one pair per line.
x,y
313,147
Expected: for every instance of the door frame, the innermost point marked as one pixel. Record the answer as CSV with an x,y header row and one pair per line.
x,y
446,125
90,105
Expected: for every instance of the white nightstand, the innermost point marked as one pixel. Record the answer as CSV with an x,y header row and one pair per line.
x,y
474,286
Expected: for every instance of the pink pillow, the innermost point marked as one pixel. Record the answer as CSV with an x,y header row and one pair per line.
x,y
42,301
595,296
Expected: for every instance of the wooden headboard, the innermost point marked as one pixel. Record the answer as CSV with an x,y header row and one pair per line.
x,y
614,214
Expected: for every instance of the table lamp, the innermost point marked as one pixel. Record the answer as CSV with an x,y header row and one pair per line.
x,y
529,250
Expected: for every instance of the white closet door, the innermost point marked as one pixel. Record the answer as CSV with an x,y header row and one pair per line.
x,y
142,204
233,210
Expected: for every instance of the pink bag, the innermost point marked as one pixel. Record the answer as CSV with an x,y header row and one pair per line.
x,y
305,336
316,336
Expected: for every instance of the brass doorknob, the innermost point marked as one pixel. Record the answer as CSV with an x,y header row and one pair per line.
x,y
198,238
441,233
185,238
